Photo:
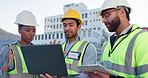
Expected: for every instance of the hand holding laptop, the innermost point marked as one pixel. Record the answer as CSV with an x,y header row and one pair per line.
x,y
97,74
48,76
97,68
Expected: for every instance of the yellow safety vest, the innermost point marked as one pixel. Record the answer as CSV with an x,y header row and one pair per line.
x,y
78,49
19,62
129,54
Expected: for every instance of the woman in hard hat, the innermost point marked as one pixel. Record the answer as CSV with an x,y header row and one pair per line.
x,y
12,63
126,51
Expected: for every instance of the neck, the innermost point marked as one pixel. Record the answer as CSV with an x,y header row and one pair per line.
x,y
72,39
24,43
122,27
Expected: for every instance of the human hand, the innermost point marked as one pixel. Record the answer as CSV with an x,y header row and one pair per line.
x,y
9,60
48,76
54,42
97,74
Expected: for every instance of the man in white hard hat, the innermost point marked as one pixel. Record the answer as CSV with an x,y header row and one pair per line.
x,y
12,63
77,51
126,51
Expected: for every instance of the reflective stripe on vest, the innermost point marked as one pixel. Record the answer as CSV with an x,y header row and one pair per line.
x,y
19,62
72,68
127,68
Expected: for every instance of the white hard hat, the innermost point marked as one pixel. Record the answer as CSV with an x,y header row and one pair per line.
x,y
108,4
26,18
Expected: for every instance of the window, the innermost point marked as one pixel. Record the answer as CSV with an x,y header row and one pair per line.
x,y
94,20
45,36
57,19
89,33
45,28
90,20
48,27
57,36
60,25
84,33
94,28
54,20
85,22
49,36
80,33
67,5
52,36
61,35
53,26
82,16
48,21
57,26
98,28
94,12
42,37
85,15
38,37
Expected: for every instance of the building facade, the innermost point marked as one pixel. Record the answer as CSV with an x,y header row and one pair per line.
x,y
92,29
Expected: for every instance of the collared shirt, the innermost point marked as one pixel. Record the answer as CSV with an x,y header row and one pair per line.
x,y
125,30
115,37
90,56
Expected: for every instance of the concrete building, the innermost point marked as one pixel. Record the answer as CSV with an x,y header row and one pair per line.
x,y
92,29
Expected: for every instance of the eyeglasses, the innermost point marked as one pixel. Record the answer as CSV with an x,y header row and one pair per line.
x,y
107,14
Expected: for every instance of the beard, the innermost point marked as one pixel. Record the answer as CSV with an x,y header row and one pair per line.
x,y
114,24
70,35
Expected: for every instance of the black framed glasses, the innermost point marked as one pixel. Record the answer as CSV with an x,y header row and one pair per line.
x,y
107,14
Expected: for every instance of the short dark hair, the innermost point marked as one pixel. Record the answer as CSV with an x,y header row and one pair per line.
x,y
77,21
20,26
127,14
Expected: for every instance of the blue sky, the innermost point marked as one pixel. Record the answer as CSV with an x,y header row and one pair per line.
x,y
44,8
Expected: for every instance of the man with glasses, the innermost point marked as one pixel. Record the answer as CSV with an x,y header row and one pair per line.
x,y
126,51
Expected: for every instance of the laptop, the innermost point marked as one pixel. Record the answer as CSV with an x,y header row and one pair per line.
x,y
41,59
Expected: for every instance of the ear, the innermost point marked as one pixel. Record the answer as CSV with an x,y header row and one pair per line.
x,y
122,12
79,27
